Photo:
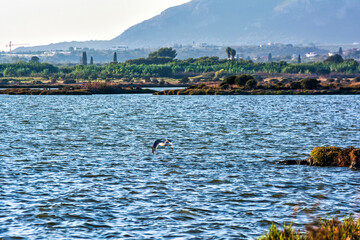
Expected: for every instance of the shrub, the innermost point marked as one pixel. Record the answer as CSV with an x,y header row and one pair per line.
x,y
251,84
295,85
325,156
326,229
287,233
310,83
334,229
243,79
229,80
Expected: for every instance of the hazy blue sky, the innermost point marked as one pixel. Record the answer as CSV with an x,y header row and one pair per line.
x,y
39,22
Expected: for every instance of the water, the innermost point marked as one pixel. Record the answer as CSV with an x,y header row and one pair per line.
x,y
80,167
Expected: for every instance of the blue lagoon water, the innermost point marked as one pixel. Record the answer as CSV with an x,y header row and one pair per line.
x,y
80,167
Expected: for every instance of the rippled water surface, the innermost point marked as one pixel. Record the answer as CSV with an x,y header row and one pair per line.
x,y
80,167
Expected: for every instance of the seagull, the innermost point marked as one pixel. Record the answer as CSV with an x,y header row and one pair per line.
x,y
161,143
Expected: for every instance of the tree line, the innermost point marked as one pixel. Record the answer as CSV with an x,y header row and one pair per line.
x,y
163,63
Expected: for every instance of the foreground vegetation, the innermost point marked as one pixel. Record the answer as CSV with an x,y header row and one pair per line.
x,y
324,230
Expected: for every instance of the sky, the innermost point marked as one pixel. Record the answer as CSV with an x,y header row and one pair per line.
x,y
40,22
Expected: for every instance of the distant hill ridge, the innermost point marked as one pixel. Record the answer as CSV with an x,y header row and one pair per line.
x,y
242,22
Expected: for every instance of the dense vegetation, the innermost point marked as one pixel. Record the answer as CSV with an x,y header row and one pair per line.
x,y
324,230
162,63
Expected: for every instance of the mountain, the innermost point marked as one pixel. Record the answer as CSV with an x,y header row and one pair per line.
x,y
243,22
225,22
100,44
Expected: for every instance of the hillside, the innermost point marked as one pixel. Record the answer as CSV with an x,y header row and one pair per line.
x,y
240,22
224,22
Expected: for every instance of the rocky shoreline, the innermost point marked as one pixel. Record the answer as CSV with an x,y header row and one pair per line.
x,y
203,89
330,156
88,89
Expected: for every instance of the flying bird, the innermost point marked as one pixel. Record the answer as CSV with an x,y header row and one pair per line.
x,y
162,143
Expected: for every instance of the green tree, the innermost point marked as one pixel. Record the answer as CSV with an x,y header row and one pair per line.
x,y
334,59
84,59
299,59
34,59
233,53
341,51
228,52
164,52
91,60
9,72
115,58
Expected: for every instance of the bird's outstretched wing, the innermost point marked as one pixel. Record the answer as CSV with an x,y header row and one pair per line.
x,y
156,144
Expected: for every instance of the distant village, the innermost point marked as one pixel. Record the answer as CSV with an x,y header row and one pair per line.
x,y
260,53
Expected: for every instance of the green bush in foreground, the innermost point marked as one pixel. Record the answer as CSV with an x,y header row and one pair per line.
x,y
287,233
325,230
